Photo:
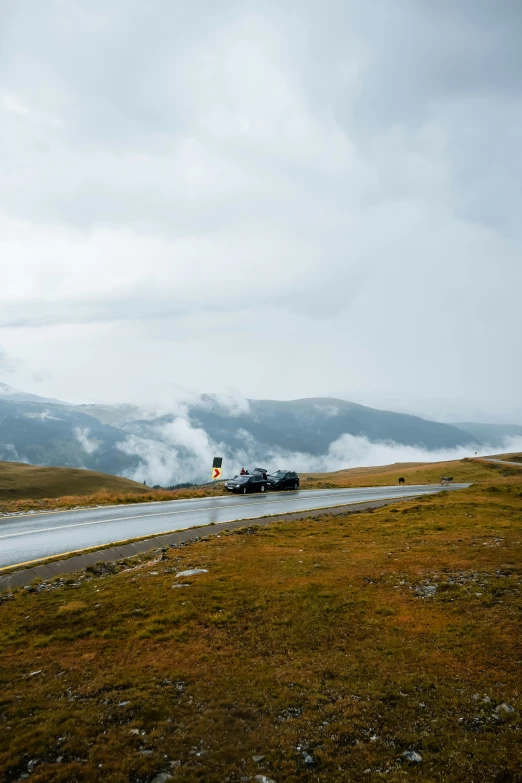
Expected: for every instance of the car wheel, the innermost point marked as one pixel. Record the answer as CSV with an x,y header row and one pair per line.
x,y
244,490
263,487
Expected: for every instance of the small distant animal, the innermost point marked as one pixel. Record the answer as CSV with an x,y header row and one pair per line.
x,y
401,480
446,479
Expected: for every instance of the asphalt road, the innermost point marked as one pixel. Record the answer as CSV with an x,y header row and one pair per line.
x,y
502,461
28,537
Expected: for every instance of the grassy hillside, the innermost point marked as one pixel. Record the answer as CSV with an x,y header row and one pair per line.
x,y
463,471
322,650
29,487
26,487
516,457
32,482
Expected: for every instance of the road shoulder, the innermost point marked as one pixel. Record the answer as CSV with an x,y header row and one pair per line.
x,y
45,570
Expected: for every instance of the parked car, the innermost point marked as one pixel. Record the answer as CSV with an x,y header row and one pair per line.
x,y
283,479
244,484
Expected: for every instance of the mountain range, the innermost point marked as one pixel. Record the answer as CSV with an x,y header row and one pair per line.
x,y
166,446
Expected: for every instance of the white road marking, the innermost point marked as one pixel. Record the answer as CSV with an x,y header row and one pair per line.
x,y
81,509
172,513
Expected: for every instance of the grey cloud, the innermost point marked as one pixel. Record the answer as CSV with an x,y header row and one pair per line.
x,y
7,363
178,451
89,445
145,94
193,179
9,453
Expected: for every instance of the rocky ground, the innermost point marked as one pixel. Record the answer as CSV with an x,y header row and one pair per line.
x,y
367,646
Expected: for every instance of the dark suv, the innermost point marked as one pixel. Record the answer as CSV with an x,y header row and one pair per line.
x,y
283,479
244,484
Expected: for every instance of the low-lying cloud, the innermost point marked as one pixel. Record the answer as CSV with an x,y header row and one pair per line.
x,y
179,452
9,453
89,445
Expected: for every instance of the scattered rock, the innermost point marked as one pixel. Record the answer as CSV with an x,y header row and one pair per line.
x,y
290,712
192,572
412,756
426,591
257,759
33,674
263,779
123,703
182,585
505,708
162,777
309,760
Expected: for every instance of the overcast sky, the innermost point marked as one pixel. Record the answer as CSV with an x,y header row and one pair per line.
x,y
286,198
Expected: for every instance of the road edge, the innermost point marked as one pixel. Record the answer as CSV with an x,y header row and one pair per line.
x,y
46,571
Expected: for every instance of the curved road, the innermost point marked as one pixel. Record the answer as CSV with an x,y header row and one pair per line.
x,y
28,537
502,461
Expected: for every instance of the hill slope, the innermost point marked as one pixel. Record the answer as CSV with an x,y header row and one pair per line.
x,y
461,470
20,482
177,444
491,433
15,395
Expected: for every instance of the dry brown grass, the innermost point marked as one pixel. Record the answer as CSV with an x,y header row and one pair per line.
x,y
19,481
304,638
44,495
72,606
513,457
105,498
463,471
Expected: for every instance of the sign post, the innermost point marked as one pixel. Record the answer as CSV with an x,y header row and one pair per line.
x,y
216,468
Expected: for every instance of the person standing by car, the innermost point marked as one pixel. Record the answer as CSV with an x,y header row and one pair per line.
x,y
242,472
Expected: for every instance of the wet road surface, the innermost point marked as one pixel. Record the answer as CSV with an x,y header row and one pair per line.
x,y
28,537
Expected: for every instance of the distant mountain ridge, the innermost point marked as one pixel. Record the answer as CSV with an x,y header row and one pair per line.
x,y
14,395
491,432
168,447
311,425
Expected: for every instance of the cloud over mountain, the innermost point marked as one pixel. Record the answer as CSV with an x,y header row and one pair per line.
x,y
283,199
173,446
